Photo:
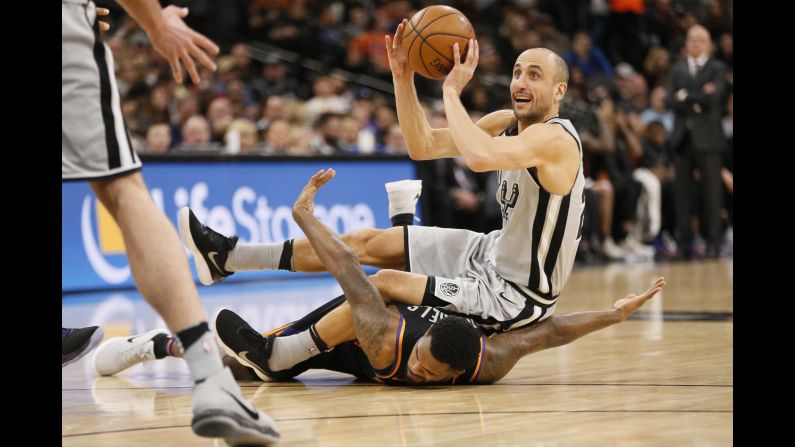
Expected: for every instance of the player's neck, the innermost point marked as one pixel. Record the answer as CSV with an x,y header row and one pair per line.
x,y
525,124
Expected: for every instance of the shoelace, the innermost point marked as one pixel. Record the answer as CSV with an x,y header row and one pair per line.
x,y
143,352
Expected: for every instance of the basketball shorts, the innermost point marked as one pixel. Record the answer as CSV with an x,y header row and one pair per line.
x,y
94,139
462,278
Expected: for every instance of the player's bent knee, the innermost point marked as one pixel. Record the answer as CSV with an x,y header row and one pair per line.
x,y
112,191
384,281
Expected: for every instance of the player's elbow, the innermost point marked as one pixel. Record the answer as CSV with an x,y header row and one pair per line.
x,y
418,152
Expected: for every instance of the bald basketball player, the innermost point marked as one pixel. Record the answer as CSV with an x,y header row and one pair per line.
x,y
503,280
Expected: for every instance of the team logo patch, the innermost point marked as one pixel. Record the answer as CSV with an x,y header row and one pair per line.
x,y
450,288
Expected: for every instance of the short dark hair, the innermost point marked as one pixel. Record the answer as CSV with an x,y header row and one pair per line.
x,y
324,118
455,342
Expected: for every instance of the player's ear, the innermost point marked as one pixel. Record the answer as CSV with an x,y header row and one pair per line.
x,y
560,90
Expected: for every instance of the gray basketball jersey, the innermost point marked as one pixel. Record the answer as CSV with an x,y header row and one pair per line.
x,y
540,231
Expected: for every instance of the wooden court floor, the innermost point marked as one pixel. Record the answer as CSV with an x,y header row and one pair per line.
x,y
663,379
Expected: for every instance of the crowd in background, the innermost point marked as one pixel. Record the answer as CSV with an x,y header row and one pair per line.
x,y
289,82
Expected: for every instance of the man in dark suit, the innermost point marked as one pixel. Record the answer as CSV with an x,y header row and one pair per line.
x,y
697,85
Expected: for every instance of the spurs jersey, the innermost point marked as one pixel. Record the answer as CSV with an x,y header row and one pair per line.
x,y
540,231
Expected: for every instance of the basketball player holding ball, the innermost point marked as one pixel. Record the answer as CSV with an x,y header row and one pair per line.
x,y
510,277
507,279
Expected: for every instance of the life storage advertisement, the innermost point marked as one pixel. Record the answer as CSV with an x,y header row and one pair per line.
x,y
251,199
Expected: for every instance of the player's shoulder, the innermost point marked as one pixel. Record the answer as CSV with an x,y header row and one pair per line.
x,y
559,135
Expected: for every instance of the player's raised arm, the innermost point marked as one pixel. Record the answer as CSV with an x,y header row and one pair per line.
x,y
371,319
422,141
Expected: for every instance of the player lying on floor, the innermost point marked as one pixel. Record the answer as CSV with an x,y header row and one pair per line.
x,y
393,344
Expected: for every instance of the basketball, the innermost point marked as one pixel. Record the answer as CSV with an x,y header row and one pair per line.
x,y
429,38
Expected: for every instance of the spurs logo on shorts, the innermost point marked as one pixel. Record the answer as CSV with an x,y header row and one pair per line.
x,y
450,288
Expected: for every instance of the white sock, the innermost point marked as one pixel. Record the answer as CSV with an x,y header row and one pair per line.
x,y
291,350
203,357
260,257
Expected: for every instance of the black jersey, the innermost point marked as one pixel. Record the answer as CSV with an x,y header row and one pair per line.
x,y
414,322
349,357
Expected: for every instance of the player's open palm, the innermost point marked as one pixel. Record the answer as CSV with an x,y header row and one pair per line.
x,y
630,303
178,43
398,53
306,201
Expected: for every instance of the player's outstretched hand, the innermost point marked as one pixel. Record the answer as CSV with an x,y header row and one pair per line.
x,y
306,201
180,44
630,303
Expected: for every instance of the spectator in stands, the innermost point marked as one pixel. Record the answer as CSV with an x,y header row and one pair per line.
x,y
657,110
327,134
219,114
277,138
196,136
158,139
657,66
241,137
591,60
326,100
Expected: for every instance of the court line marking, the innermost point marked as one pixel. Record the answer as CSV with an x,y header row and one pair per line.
x,y
363,416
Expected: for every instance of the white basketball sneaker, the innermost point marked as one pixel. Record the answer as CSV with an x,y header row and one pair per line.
x,y
119,353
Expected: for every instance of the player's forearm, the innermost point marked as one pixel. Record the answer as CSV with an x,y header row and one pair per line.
x,y
335,254
413,123
147,13
565,329
472,141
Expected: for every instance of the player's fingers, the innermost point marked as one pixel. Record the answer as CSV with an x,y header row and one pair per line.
x,y
456,56
205,44
202,57
328,175
190,66
470,51
176,70
398,35
103,26
388,45
316,176
477,52
103,11
401,31
652,291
